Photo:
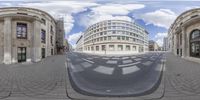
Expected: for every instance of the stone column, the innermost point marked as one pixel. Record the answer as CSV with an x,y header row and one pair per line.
x,y
7,40
36,54
183,42
175,43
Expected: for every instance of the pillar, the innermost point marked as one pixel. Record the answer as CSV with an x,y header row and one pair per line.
x,y
36,54
183,42
175,44
7,40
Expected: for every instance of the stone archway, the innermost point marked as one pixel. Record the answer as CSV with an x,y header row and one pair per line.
x,y
195,43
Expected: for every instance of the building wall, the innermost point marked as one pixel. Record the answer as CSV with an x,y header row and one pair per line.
x,y
180,31
115,32
9,43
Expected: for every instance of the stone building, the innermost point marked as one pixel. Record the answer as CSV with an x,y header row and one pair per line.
x,y
26,34
165,44
114,37
60,36
80,44
153,46
184,35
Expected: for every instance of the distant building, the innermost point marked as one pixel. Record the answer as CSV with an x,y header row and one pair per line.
x,y
165,44
60,36
153,46
114,37
79,44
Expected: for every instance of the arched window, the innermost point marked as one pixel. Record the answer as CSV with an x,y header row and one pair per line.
x,y
195,43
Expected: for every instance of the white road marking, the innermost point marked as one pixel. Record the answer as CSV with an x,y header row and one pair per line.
x,y
125,57
111,62
105,58
138,59
76,68
87,60
116,58
133,57
104,70
86,64
127,61
131,64
90,58
128,70
147,63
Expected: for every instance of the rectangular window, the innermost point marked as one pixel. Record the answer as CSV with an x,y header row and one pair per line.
x,y
43,36
128,48
111,47
134,48
118,38
21,30
97,48
51,40
120,47
103,47
43,21
51,51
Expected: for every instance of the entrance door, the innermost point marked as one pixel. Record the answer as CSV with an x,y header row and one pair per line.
x,y
21,53
43,52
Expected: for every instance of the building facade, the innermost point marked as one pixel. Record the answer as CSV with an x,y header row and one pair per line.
x,y
184,35
153,46
165,44
26,34
115,37
60,36
80,44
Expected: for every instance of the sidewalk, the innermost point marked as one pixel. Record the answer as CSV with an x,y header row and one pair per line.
x,y
44,80
182,80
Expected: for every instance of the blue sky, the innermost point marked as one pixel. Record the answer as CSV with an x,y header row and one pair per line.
x,y
155,16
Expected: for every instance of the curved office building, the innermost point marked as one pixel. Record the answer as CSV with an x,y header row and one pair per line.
x,y
115,37
26,34
184,35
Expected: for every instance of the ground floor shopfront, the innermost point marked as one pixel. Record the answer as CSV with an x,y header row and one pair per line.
x,y
115,48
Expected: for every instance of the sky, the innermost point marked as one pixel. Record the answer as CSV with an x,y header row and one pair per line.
x,y
155,16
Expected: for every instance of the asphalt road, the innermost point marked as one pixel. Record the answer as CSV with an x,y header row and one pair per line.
x,y
131,75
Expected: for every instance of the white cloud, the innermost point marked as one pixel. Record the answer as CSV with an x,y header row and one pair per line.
x,y
108,12
162,17
116,9
63,9
159,38
88,20
191,7
74,37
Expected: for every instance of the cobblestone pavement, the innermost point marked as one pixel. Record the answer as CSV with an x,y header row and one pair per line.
x,y
38,81
46,80
182,79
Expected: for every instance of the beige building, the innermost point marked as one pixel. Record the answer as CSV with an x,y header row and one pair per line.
x,y
184,35
26,34
114,37
153,46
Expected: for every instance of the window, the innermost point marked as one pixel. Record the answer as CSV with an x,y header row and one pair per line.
x,y
109,37
195,43
97,48
105,38
43,21
128,48
118,38
111,47
103,47
21,30
51,40
51,51
43,36
123,37
134,48
120,47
